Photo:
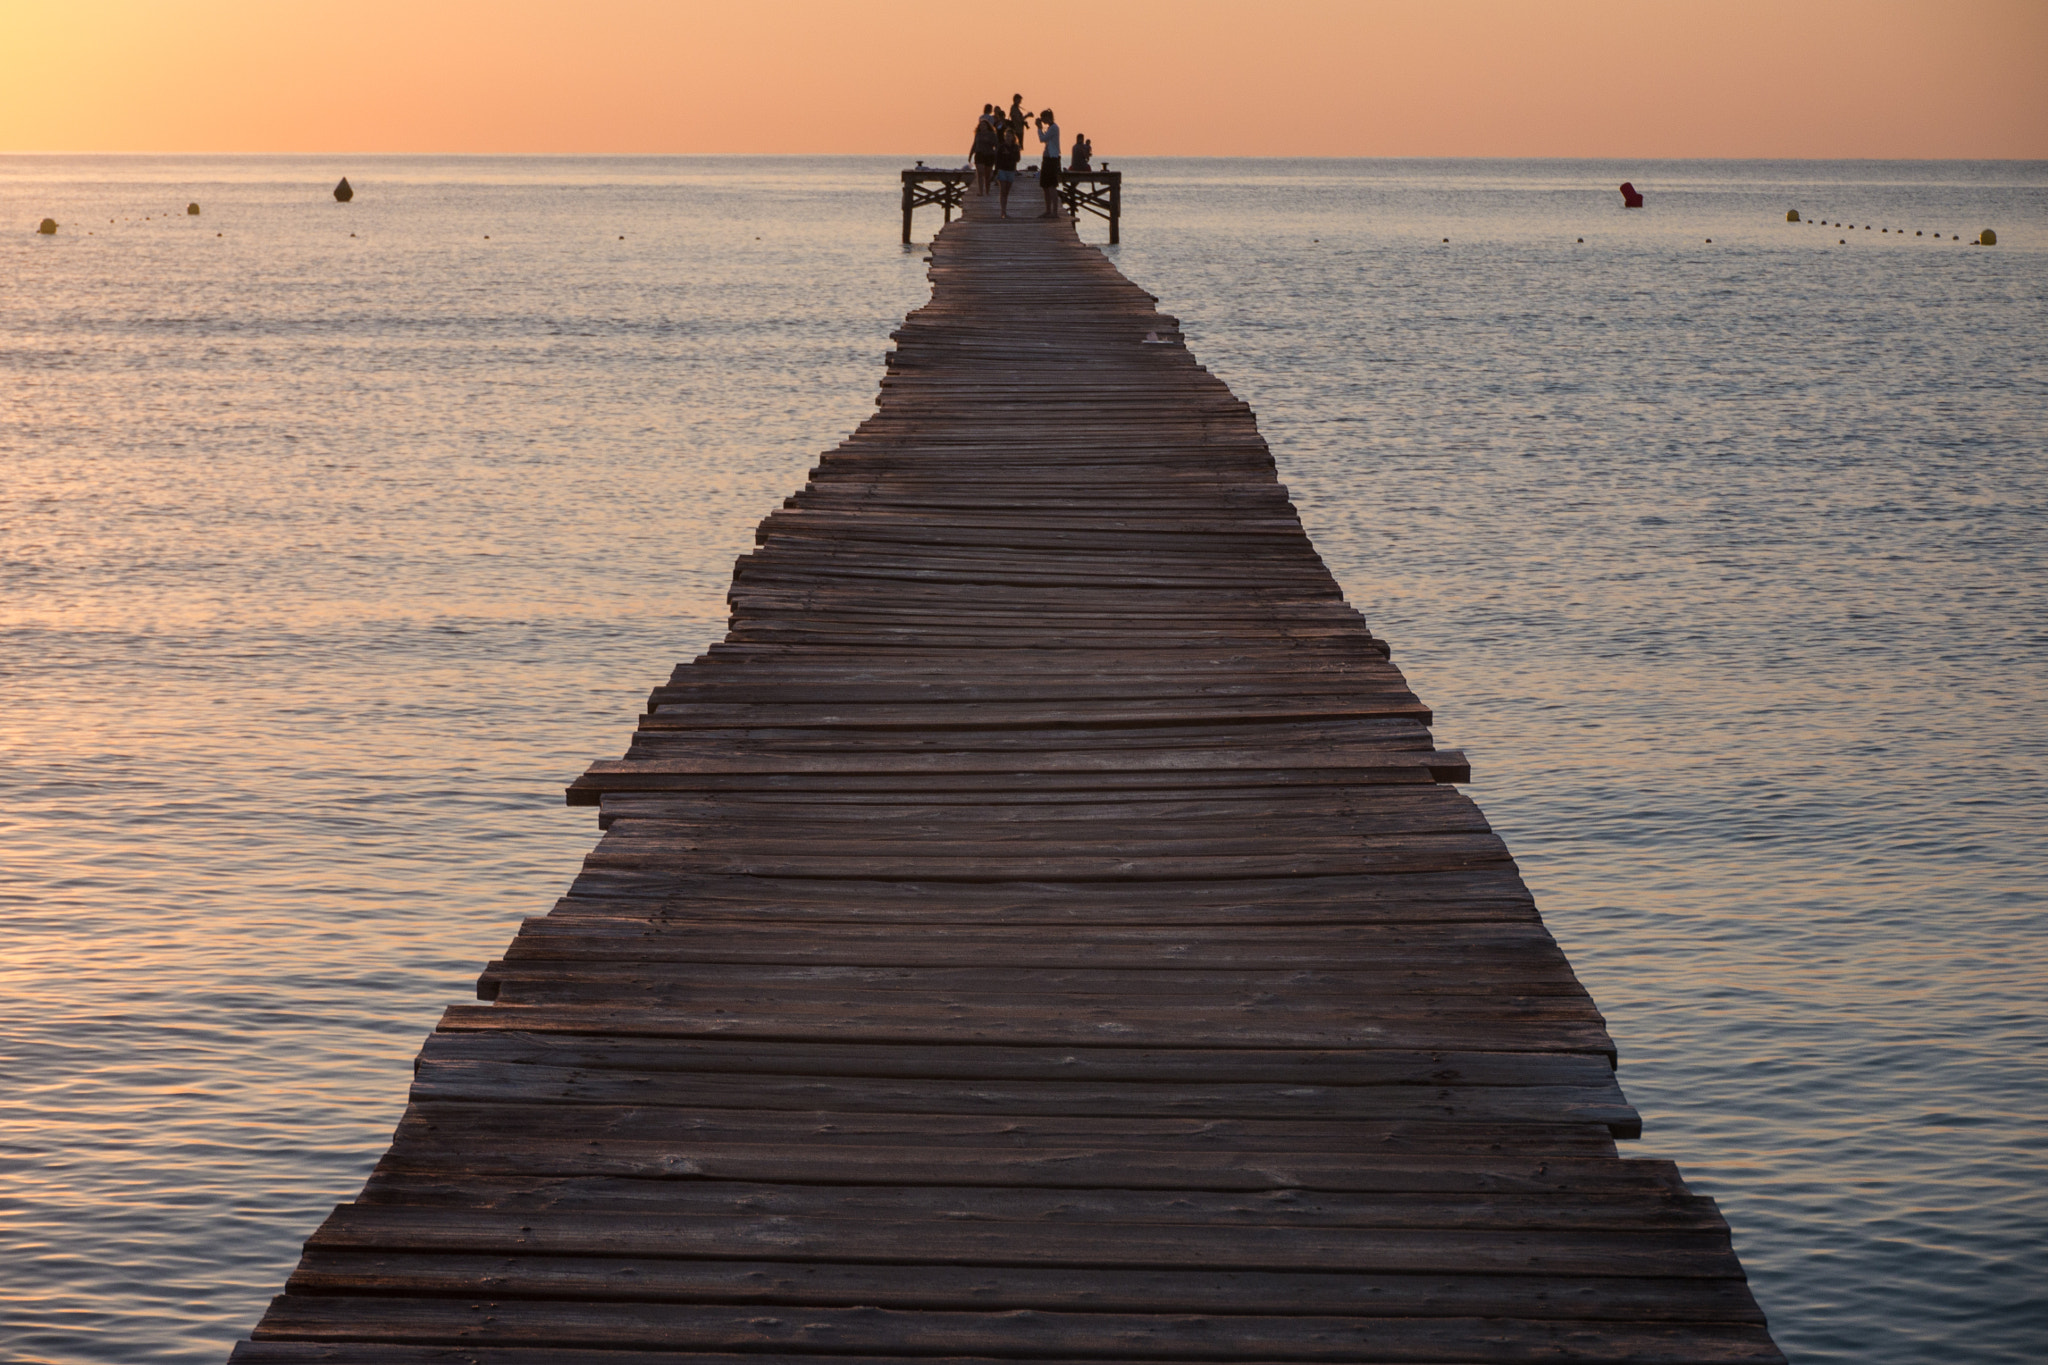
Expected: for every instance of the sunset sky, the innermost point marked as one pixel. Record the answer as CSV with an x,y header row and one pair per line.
x,y
1716,78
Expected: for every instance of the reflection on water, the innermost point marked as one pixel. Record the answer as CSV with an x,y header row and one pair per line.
x,y
326,560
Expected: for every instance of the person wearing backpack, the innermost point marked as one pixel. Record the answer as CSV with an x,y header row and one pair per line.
x,y
983,153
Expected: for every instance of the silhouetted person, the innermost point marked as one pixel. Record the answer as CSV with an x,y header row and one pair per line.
x,y
983,153
1006,167
1049,163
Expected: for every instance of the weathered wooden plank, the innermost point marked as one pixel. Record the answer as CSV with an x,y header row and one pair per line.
x,y
1426,948
1606,1298
539,1085
880,1019
1230,741
1661,1209
1410,1157
875,1332
1489,893
1165,820
1498,982
1353,1067
431,1124
1493,1250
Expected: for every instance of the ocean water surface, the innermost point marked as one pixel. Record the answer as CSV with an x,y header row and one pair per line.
x,y
335,540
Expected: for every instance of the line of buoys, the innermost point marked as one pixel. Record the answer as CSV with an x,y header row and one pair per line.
x,y
1985,238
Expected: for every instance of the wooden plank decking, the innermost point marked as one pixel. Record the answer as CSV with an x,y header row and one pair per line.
x,y
1040,929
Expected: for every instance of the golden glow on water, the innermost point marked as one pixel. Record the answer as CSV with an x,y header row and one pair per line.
x,y
326,561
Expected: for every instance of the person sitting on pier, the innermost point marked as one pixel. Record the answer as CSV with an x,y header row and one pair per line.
x,y
1083,149
983,153
1049,164
1007,153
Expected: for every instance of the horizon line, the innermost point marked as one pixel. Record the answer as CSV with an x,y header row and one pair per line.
x,y
1126,156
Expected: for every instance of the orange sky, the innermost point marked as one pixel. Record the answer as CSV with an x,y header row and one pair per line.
x,y
1792,78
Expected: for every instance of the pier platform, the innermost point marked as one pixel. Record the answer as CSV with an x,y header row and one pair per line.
x,y
1043,928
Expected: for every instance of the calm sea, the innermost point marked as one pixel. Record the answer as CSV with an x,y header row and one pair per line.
x,y
334,540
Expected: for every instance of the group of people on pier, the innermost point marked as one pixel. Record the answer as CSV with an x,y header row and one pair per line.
x,y
999,146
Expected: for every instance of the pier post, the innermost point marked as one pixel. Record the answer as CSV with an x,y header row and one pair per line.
x,y
922,185
1098,192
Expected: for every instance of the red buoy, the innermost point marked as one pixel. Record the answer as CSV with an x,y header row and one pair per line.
x,y
1629,198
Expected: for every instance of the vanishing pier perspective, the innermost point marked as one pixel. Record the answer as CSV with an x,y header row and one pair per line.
x,y
1043,928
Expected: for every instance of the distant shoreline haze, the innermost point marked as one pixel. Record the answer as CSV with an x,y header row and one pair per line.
x,y
1827,79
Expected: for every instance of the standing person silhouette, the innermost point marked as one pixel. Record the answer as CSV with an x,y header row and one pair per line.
x,y
1017,118
983,153
1049,163
1006,166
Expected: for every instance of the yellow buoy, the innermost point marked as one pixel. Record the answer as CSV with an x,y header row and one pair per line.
x,y
1987,238
191,208
1791,215
48,227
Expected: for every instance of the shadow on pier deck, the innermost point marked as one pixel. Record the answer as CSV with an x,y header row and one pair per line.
x,y
1040,930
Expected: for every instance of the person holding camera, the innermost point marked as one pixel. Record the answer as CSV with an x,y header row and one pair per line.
x,y
1049,163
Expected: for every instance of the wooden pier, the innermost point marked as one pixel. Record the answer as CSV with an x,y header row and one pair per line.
x,y
1042,929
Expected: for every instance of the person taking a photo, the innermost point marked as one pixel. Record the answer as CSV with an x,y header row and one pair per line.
x,y
1049,163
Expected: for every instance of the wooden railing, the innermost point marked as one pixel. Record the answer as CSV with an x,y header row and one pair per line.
x,y
1098,192
922,186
